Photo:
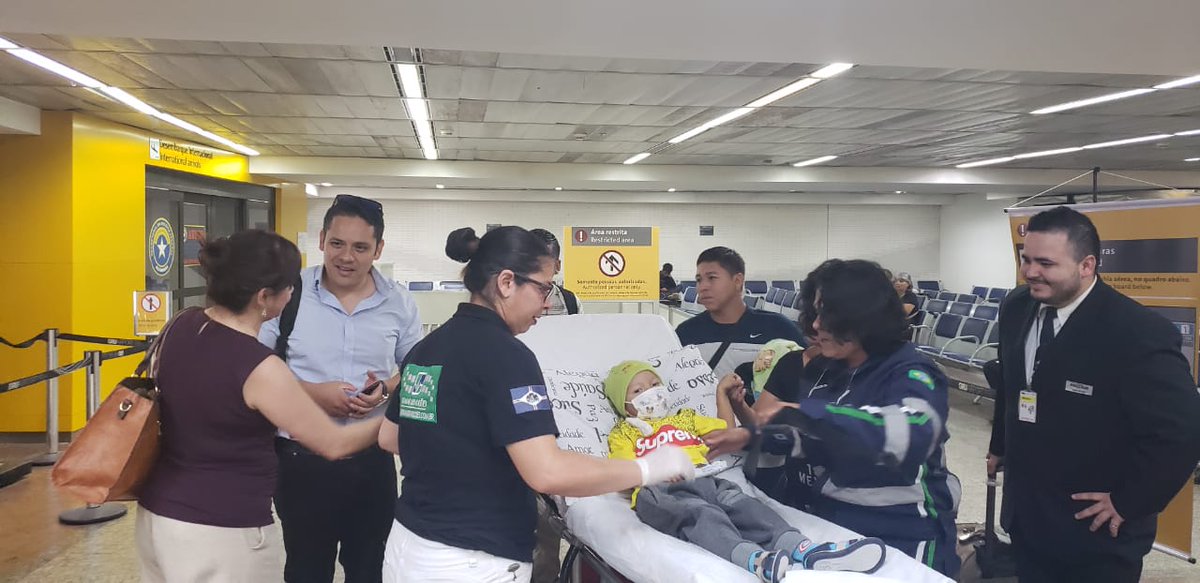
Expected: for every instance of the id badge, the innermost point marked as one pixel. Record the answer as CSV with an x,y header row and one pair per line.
x,y
1027,407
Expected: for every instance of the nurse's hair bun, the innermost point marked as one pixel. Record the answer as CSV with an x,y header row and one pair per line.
x,y
461,244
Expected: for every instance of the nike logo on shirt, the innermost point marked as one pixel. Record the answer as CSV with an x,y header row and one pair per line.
x,y
753,336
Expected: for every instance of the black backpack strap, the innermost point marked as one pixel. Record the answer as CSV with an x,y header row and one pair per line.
x,y
287,320
716,357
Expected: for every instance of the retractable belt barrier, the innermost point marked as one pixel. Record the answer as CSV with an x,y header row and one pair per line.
x,y
25,344
91,361
133,347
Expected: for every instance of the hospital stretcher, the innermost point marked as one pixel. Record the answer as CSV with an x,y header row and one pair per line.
x,y
605,530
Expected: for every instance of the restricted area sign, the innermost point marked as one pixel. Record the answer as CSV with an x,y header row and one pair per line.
x,y
151,310
611,263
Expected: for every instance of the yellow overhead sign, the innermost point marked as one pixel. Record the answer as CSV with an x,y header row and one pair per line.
x,y
611,263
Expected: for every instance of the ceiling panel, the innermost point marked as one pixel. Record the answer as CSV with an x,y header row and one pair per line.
x,y
314,100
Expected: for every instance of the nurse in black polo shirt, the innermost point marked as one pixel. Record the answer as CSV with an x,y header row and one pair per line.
x,y
476,434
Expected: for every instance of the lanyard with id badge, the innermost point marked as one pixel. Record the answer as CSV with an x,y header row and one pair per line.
x,y
1027,402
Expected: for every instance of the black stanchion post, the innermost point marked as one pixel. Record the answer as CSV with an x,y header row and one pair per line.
x,y
93,513
51,455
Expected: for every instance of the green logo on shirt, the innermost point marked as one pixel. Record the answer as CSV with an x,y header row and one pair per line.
x,y
418,392
921,377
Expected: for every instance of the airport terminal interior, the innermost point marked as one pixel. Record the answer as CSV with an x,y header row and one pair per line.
x,y
917,135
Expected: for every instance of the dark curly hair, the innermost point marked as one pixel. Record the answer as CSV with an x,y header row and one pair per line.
x,y
858,303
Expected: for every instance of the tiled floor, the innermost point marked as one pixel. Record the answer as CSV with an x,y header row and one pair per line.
x,y
34,547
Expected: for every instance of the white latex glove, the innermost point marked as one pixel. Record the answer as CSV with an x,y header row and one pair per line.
x,y
640,425
666,464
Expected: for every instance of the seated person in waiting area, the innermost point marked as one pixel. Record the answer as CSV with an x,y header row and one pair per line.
x,y
710,512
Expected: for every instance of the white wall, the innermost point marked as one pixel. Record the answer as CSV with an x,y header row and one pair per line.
x,y
976,244
782,241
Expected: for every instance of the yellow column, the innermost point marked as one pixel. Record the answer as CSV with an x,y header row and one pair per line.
x,y
36,213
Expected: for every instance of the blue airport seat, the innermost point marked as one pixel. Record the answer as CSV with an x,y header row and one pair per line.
x,y
961,308
785,284
949,296
967,298
997,294
420,286
756,287
980,291
929,284
987,312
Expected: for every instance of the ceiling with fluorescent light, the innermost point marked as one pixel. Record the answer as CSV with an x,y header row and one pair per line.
x,y
343,101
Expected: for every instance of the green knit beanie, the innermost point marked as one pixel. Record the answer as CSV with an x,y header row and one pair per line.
x,y
617,383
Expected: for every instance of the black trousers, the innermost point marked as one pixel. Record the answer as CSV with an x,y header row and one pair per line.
x,y
1044,566
323,503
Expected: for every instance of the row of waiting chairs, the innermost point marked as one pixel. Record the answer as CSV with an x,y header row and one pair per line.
x,y
961,332
989,312
760,287
993,295
441,286
777,300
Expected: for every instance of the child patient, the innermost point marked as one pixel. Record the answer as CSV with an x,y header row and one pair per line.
x,y
711,512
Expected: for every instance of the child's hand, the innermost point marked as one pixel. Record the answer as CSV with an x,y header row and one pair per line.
x,y
723,441
733,387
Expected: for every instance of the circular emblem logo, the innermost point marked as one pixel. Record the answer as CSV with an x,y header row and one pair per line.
x,y
161,247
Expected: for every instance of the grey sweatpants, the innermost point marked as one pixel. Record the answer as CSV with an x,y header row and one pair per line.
x,y
718,516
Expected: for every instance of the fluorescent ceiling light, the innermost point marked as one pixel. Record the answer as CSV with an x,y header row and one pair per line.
x,y
55,67
1179,82
118,94
558,188
783,92
127,99
439,186
310,189
427,146
831,70
1191,160
820,160
410,80
1189,133
1092,101
7,44
327,184
670,190
1128,141
205,133
985,162
710,124
418,110
637,158
1046,153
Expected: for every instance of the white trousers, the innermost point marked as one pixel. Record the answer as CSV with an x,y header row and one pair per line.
x,y
412,559
173,551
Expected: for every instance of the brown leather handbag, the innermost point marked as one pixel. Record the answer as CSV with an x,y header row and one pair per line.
x,y
117,448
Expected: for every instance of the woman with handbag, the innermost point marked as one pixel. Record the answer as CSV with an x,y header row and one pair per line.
x,y
205,509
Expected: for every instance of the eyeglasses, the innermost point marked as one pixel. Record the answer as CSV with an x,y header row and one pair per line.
x,y
545,288
364,205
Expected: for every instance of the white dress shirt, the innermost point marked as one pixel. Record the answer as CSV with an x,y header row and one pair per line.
x,y
1031,339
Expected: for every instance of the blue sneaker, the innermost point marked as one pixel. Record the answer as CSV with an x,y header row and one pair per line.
x,y
864,555
771,567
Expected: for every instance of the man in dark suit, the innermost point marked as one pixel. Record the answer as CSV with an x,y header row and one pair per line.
x,y
1098,419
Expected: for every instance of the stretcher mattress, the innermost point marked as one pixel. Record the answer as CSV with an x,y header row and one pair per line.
x,y
606,523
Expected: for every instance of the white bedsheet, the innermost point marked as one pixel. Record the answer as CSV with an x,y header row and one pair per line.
x,y
644,555
608,526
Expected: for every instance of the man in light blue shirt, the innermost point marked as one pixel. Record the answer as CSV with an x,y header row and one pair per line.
x,y
351,330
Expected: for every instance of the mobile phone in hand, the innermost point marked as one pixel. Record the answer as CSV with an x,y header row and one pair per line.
x,y
371,388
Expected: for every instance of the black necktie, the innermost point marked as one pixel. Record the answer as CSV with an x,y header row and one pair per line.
x,y
1047,334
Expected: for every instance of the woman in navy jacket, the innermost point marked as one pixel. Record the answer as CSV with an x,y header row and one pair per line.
x,y
865,421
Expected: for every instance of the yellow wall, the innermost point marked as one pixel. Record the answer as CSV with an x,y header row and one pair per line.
x,y
291,213
35,267
73,217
